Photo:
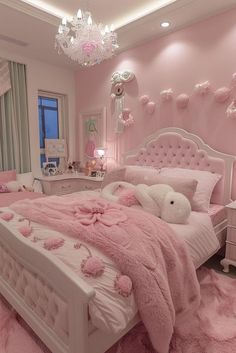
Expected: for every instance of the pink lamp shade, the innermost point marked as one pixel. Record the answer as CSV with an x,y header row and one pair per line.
x,y
99,152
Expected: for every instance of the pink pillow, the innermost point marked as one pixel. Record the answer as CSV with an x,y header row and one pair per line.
x,y
6,176
187,187
141,175
117,174
205,186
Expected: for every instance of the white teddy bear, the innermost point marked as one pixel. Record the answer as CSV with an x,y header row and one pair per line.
x,y
160,200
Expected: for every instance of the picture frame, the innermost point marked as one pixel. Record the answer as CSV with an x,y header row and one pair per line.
x,y
92,130
49,168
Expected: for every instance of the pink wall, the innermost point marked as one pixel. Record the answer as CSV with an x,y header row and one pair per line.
x,y
204,51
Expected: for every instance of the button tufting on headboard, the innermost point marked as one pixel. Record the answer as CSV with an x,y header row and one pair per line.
x,y
176,148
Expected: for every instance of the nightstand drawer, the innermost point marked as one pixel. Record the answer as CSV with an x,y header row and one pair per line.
x,y
231,215
90,185
64,187
231,234
230,251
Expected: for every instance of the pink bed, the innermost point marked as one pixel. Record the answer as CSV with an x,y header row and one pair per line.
x,y
80,334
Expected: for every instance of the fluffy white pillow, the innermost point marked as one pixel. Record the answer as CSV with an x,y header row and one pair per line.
x,y
26,179
205,186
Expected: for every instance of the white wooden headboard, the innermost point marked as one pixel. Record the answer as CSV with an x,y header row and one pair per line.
x,y
175,147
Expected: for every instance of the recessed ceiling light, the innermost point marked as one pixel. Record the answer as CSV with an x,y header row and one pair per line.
x,y
165,24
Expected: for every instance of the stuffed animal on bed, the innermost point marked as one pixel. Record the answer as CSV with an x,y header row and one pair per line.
x,y
160,200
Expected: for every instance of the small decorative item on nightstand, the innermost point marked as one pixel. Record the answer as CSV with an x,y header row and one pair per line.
x,y
230,254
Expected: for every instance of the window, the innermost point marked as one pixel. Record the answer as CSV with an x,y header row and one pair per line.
x,y
49,112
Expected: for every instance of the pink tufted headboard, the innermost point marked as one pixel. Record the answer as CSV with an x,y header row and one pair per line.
x,y
174,147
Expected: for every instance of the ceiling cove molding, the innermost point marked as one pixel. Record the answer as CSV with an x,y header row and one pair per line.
x,y
32,11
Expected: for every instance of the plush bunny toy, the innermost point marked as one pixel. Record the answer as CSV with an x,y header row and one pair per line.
x,y
160,200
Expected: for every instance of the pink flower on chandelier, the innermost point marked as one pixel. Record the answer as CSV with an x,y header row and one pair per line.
x,y
89,47
92,211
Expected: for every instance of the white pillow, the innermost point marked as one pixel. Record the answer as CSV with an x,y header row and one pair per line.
x,y
26,179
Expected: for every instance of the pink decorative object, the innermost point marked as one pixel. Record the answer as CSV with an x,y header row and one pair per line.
x,y
167,94
3,188
182,101
127,198
222,94
231,110
119,90
234,79
123,285
89,47
144,99
25,230
7,216
126,118
92,267
53,243
92,211
202,88
151,107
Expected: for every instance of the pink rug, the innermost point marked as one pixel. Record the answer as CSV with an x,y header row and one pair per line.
x,y
211,330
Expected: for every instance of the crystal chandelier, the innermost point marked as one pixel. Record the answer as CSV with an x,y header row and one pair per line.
x,y
85,41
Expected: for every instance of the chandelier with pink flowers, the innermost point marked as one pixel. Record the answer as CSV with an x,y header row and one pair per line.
x,y
84,41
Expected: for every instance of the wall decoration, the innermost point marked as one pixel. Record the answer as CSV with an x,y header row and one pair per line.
x,y
182,101
222,94
92,132
151,107
126,118
233,81
121,76
231,110
144,99
202,88
166,94
118,80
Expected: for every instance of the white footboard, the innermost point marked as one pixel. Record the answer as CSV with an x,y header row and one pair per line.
x,y
50,297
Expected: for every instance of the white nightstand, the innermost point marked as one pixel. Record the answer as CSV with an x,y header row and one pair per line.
x,y
68,183
230,253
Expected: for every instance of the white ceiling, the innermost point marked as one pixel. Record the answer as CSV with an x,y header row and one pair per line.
x,y
28,27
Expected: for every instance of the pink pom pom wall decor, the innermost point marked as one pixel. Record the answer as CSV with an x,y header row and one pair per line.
x,y
182,101
151,107
222,94
144,99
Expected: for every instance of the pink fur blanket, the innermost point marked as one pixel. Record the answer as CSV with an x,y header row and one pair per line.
x,y
143,247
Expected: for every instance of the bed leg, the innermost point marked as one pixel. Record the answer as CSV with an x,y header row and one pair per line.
x,y
78,327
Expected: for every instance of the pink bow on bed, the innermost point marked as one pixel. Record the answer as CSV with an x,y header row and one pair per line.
x,y
92,211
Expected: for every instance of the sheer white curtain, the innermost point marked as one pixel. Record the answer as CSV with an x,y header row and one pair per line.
x,y
14,121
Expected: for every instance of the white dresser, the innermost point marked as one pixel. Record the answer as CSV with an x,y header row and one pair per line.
x,y
230,253
68,183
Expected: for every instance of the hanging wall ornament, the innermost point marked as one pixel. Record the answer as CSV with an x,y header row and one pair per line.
x,y
126,118
151,107
166,95
203,88
144,99
182,101
222,94
118,80
231,110
233,81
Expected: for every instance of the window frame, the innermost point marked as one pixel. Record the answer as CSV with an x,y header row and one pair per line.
x,y
59,98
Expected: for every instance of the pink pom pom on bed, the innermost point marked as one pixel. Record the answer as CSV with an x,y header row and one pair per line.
x,y
53,243
144,99
92,267
123,285
25,230
7,216
127,198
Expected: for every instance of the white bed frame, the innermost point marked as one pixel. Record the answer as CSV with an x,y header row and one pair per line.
x,y
23,268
